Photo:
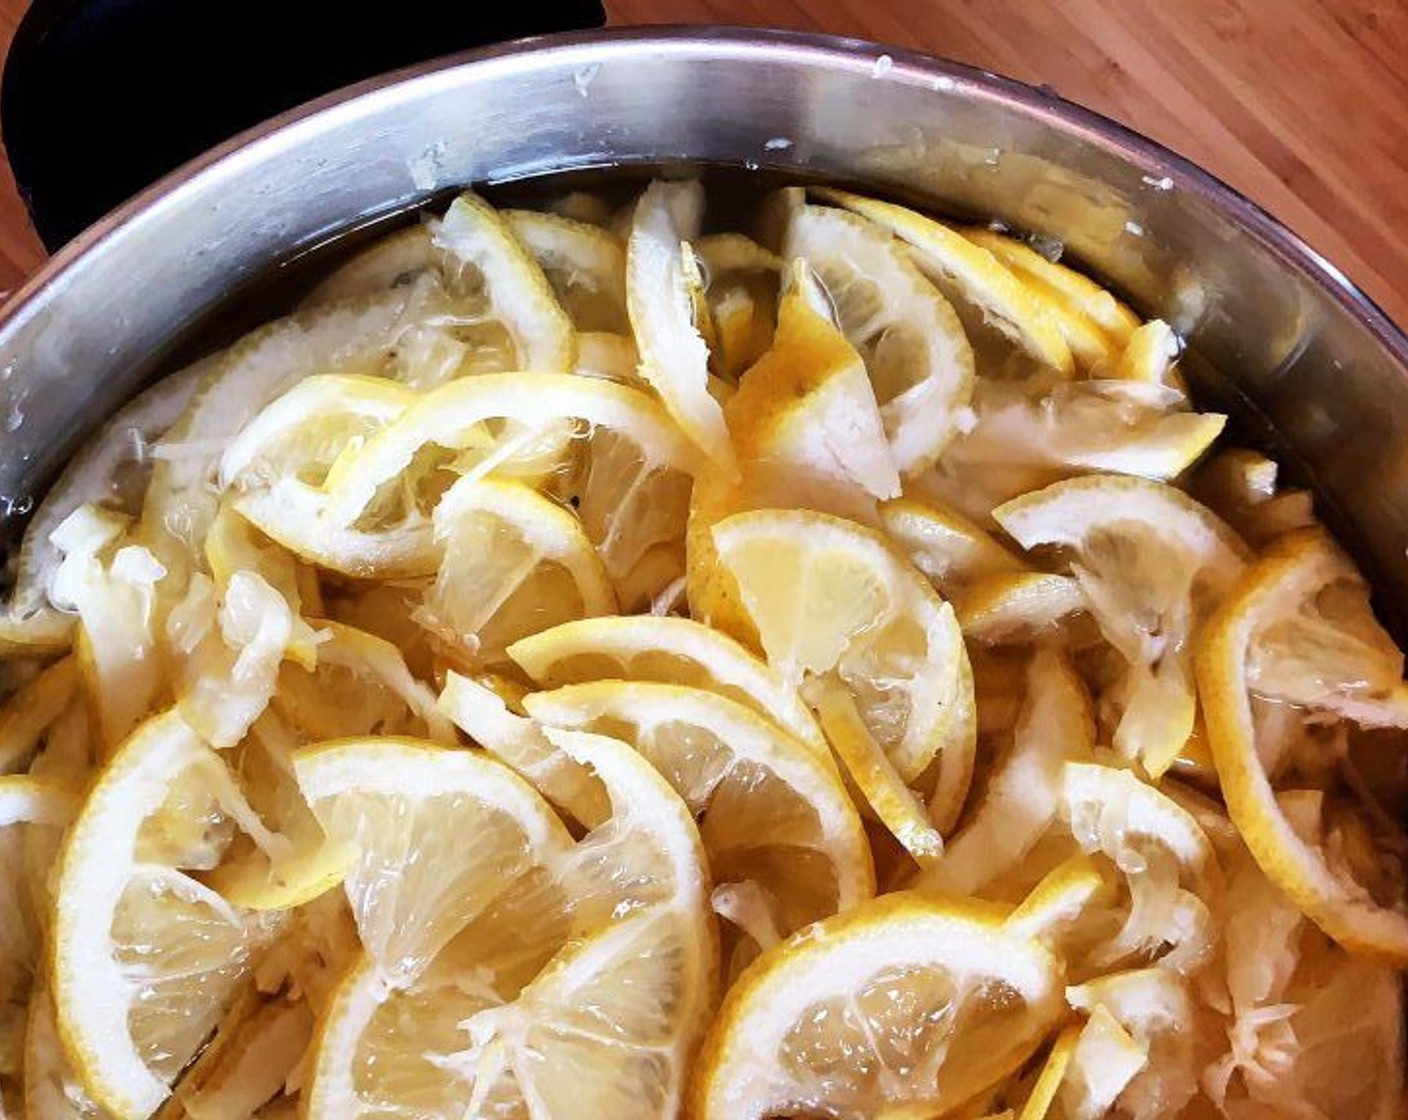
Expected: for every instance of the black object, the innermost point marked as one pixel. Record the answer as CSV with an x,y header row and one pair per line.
x,y
102,97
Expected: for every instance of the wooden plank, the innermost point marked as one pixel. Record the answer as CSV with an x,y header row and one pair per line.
x,y
1300,104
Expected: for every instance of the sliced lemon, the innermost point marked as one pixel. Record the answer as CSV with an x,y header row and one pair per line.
x,y
831,596
741,288
481,246
1122,427
903,1002
1309,844
897,806
671,651
514,563
1055,907
52,1090
946,546
585,265
519,743
970,273
1152,564
631,489
301,433
1017,607
807,407
611,357
112,585
1074,290
393,260
146,957
1038,1104
918,358
1023,793
1151,357
735,769
33,814
510,1003
674,357
30,711
1105,1059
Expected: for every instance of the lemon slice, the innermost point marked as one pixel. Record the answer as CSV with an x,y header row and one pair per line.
x,y
1023,793
1244,489
949,548
146,957
112,585
392,260
1144,1014
674,356
509,1002
514,563
632,489
359,686
829,596
1152,564
1017,607
112,468
1055,908
1038,1104
30,712
354,338
670,651
1151,357
918,358
52,1090
303,432
519,743
1073,289
905,1002
1163,854
1122,427
733,768
807,407
480,245
971,274
585,265
33,814
611,357
1307,851
741,282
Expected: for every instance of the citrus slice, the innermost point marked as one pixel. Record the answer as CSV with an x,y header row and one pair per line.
x,y
354,338
1073,289
112,585
146,956
735,769
510,1003
303,432
392,260
52,1090
1152,564
585,265
632,488
484,256
949,548
914,348
865,763
514,563
1023,792
519,743
904,1002
1038,1104
671,651
403,807
1244,489
741,282
1122,427
1146,1013
1017,607
111,468
1151,357
1163,854
1312,845
971,274
806,407
830,596
359,686
1105,1059
674,356
30,711
33,814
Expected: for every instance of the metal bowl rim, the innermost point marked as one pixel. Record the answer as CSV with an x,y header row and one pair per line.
x,y
599,46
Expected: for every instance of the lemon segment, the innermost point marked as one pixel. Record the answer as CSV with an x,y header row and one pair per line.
x,y
914,348
585,265
28,713
971,272
929,1001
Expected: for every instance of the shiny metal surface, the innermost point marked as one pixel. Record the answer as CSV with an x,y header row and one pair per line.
x,y
1304,357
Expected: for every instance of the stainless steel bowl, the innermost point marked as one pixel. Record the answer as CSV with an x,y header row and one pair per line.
x,y
1303,358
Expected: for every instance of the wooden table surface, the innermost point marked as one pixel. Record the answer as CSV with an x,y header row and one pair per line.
x,y
1301,104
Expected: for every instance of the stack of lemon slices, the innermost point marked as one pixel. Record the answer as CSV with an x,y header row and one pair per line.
x,y
591,665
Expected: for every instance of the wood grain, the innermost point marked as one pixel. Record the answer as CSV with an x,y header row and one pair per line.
x,y
1300,104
